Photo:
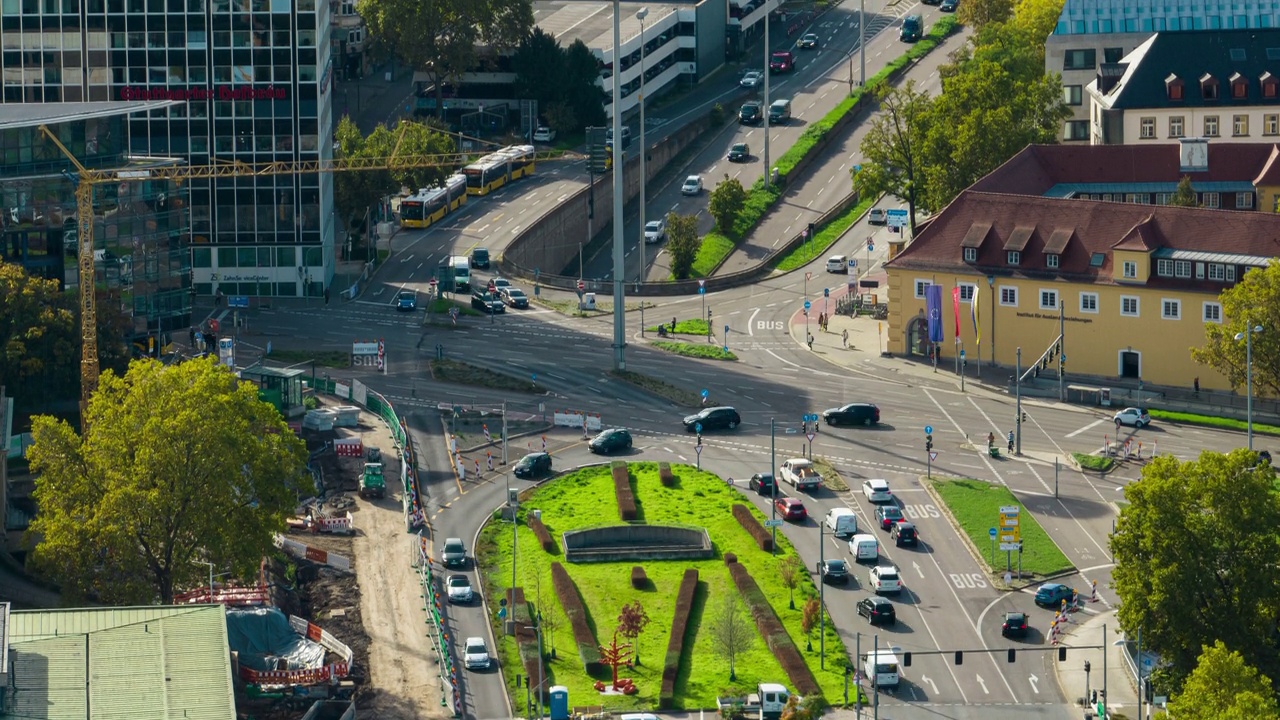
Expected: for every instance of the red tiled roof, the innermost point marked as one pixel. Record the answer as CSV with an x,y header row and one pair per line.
x,y
1097,227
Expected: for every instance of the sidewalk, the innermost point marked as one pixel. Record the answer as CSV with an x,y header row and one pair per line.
x,y
1102,629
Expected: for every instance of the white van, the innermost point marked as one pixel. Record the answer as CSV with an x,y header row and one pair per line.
x,y
842,522
865,548
881,667
838,264
461,272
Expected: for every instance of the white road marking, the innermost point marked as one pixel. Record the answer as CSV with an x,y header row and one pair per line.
x,y
1090,426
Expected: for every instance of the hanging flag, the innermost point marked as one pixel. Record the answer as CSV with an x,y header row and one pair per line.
x,y
933,311
977,332
955,305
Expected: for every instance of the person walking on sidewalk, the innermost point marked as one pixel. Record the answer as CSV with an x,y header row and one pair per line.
x,y
844,338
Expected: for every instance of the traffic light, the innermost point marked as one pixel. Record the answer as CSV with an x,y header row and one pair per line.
x,y
699,439
959,657
1147,691
1093,697
1062,653
811,231
906,659
1024,416
1013,655
928,442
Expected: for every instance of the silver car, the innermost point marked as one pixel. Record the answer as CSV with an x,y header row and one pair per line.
x,y
751,79
655,231
692,185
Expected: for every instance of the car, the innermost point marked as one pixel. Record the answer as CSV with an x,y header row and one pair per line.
x,y
791,509
835,572
887,515
480,258
877,610
740,152
808,42
876,490
751,79
610,441
713,418
692,185
948,5
800,474
1136,417
500,282
782,61
407,300
1014,625
904,533
459,589
514,297
912,28
1051,595
544,134
454,553
655,231
859,413
885,579
488,302
877,217
475,656
838,264
750,113
761,483
532,465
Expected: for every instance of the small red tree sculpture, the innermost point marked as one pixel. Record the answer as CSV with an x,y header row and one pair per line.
x,y
616,655
631,623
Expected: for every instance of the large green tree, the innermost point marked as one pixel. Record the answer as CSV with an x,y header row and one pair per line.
x,y
893,148
1224,687
726,201
180,465
584,96
564,81
980,13
683,243
355,191
1198,559
1254,301
539,63
39,338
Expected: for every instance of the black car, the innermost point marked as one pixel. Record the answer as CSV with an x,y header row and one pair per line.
x,y
888,515
480,258
877,610
808,42
1015,625
835,572
610,441
533,465
750,113
852,414
713,418
904,533
487,302
762,483
740,152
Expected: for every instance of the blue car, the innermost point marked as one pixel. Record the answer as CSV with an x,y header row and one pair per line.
x,y
1052,595
407,300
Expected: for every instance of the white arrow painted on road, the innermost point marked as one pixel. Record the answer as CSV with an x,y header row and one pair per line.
x,y
1034,680
932,684
916,565
983,683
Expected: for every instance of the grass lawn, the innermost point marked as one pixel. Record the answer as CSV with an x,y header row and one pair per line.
x,y
442,305
455,371
661,388
976,507
697,326
323,358
1213,421
824,238
830,476
1093,462
586,498
715,247
705,350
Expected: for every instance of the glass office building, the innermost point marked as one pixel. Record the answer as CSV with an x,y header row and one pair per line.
x,y
249,81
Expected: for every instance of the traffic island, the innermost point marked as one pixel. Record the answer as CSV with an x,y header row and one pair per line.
x,y
661,388
1096,463
461,373
694,350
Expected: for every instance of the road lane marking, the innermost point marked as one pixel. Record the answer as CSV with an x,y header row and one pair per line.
x,y
1090,426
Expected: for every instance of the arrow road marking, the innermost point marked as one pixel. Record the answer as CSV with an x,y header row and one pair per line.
x,y
916,565
983,683
932,684
1034,680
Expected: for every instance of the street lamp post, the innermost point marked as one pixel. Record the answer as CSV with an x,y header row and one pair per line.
x,y
537,692
773,487
641,14
1247,336
765,108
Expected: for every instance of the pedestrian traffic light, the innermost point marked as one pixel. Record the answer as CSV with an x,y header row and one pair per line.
x,y
699,439
928,442
906,659
1013,655
1093,697
1062,653
959,657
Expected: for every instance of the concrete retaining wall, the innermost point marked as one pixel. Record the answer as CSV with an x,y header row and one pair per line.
x,y
615,543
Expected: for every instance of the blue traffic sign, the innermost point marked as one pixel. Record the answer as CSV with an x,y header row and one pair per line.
x,y
928,429
705,393
853,263
826,292
726,349
702,291
992,533
961,354
807,305
697,428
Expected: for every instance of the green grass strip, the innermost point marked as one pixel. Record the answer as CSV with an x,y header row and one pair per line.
x,y
976,507
707,352
1213,421
696,326
322,358
824,238
1093,462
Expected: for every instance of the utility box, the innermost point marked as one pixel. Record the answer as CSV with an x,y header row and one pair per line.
x,y
1104,397
589,301
559,706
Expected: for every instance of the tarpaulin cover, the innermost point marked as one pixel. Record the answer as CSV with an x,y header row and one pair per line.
x,y
262,637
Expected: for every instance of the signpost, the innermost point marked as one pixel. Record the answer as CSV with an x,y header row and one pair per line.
x,y
928,448
992,534
772,523
808,432
1010,535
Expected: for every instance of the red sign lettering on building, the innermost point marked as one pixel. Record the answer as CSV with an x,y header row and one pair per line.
x,y
204,94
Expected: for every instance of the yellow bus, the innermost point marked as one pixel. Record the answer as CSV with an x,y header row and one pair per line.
x,y
521,157
487,174
413,210
456,189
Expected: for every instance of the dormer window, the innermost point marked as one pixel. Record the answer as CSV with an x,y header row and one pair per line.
x,y
1270,85
1173,87
1013,257
1208,87
1051,260
1239,87
971,254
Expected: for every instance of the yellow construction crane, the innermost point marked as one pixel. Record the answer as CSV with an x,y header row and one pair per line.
x,y
86,180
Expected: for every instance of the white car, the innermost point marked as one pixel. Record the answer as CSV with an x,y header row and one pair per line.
x,y
877,491
500,283
801,474
475,656
885,579
655,231
544,134
692,185
751,79
459,588
1136,417
877,217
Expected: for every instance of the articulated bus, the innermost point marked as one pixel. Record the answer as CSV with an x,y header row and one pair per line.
x,y
487,174
429,205
521,157
413,210
456,188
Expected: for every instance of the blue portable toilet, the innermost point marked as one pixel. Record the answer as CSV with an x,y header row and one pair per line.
x,y
559,702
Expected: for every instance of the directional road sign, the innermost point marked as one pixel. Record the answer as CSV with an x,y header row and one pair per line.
x,y
928,429
773,523
704,392
992,533
1011,546
807,305
697,428
896,217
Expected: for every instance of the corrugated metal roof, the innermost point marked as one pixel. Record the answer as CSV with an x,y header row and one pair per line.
x,y
1198,256
33,624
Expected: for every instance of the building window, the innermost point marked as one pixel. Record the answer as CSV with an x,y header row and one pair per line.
x,y
1244,201
1137,198
1112,55
966,292
1217,272
1240,125
1009,296
1072,94
1128,306
1080,59
1173,87
1239,88
1013,257
1147,130
1209,87
1164,268
1163,198
1199,271
1231,273
1171,309
1130,269
1211,126
1175,126
1209,199
1271,124
1182,268
971,254
1051,260
920,286
1088,302
1212,312
1076,130
1048,299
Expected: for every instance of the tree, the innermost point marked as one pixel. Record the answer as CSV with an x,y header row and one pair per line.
x,y
1185,195
731,631
809,618
1198,560
443,37
179,464
540,66
683,243
727,200
1253,301
584,94
564,81
980,13
39,346
354,192
1224,687
893,146
789,569
631,622
810,708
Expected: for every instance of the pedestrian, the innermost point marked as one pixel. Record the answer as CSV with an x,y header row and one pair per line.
x,y
1196,384
326,296
822,321
191,333
1117,426
673,325
844,338
809,340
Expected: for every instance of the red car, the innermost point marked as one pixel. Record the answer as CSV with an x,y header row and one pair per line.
x,y
792,509
782,62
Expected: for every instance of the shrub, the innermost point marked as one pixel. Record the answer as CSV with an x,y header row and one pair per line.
x,y
571,601
540,531
730,558
664,474
675,644
774,634
638,579
526,639
622,489
753,527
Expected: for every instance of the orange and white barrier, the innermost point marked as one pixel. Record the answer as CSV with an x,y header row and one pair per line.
x,y
340,524
348,447
297,549
296,677
317,634
577,419
229,596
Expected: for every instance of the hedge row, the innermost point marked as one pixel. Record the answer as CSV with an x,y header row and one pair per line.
x,y
571,601
540,531
753,527
664,474
675,644
774,634
622,488
639,580
526,639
